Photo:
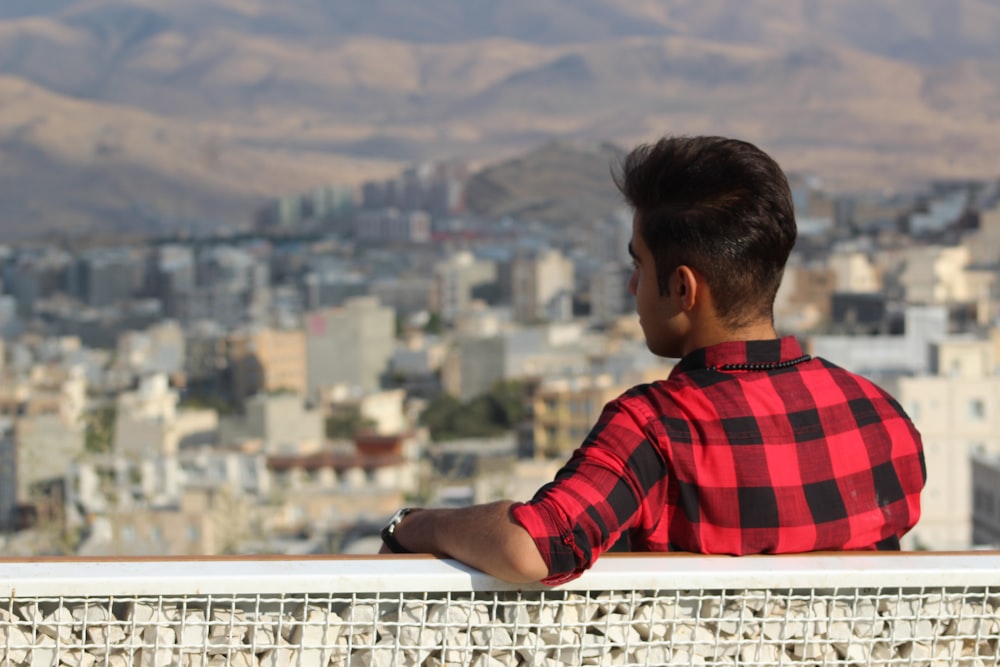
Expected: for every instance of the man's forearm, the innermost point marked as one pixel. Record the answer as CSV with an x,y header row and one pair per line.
x,y
485,537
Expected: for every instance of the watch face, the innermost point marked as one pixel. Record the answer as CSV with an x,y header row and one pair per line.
x,y
390,527
388,533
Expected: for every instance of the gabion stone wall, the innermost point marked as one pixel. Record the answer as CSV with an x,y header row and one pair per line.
x,y
509,629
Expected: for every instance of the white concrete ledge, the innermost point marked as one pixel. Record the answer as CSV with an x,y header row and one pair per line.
x,y
408,574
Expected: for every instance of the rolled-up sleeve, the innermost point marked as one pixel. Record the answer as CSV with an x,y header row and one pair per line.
x,y
595,497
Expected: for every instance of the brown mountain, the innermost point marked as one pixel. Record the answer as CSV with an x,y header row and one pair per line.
x,y
558,182
131,114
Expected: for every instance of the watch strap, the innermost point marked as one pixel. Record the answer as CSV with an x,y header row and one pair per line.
x,y
389,540
389,532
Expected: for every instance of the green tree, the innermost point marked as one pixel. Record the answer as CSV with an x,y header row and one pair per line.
x,y
100,429
217,403
346,422
435,325
495,412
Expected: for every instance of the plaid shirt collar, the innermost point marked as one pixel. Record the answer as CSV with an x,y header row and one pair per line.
x,y
740,352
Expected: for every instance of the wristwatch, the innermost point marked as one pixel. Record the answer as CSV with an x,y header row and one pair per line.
x,y
389,532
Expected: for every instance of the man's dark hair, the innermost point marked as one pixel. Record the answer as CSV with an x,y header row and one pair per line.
x,y
720,206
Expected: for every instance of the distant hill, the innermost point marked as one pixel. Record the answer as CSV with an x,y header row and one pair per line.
x,y
138,115
559,182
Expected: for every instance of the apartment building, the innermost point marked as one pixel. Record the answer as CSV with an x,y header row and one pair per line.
x,y
985,500
542,287
267,360
455,278
349,345
956,408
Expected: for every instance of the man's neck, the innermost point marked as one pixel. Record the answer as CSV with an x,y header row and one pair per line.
x,y
714,333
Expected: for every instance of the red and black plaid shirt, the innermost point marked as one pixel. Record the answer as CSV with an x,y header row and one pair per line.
x,y
719,459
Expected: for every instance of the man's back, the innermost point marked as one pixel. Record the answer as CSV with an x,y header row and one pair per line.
x,y
748,447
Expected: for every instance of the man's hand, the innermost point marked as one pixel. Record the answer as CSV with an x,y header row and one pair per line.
x,y
485,537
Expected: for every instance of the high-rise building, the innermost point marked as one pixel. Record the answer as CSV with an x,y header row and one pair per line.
x,y
956,408
542,287
267,360
391,225
107,276
454,280
349,345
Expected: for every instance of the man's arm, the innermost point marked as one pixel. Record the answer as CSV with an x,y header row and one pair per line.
x,y
485,537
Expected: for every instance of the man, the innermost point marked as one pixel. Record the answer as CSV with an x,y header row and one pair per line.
x,y
749,446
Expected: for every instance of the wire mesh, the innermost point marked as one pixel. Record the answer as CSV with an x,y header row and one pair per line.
x,y
844,626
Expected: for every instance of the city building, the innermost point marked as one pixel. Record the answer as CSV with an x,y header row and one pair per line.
x,y
149,423
956,408
882,354
985,500
267,360
349,345
455,279
542,287
391,225
274,423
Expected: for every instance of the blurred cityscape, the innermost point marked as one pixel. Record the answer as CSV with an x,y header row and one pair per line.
x,y
283,387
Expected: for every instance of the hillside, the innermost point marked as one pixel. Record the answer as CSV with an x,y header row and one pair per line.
x,y
136,114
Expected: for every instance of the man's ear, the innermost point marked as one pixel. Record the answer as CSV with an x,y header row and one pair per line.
x,y
686,286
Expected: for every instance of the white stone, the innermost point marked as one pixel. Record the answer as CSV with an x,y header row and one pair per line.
x,y
383,654
484,660
31,613
737,620
105,635
938,606
158,646
58,625
867,621
972,619
519,619
464,615
607,604
683,657
261,634
315,626
575,614
646,625
282,655
920,653
91,614
236,659
18,642
618,629
692,638
906,630
493,636
358,620
576,653
752,600
409,628
854,651
44,652
813,649
651,654
459,651
765,654
532,649
226,629
553,634
141,614
192,631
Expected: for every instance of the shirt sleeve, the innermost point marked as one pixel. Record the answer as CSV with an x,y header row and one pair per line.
x,y
595,497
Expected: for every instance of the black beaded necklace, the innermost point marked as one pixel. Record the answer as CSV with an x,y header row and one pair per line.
x,y
761,365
